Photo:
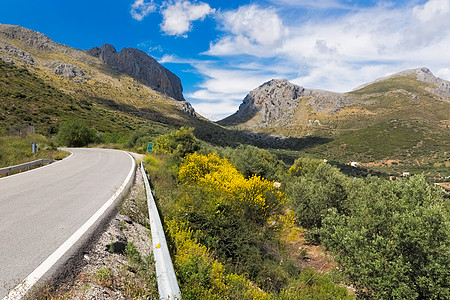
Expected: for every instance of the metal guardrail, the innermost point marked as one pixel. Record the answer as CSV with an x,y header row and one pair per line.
x,y
165,274
27,166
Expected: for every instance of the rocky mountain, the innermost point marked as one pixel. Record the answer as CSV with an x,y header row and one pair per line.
x,y
276,102
26,47
278,99
402,118
43,83
139,65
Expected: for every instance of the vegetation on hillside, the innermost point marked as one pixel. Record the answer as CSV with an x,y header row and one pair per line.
x,y
391,239
397,118
15,150
230,211
228,228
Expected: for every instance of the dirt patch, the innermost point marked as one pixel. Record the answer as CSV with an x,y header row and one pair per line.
x,y
387,162
445,185
308,256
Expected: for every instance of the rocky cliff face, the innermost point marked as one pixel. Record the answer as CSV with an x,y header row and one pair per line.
x,y
138,64
278,99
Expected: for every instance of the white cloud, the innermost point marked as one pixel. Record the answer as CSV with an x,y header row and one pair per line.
x,y
431,10
215,111
443,73
178,16
140,9
251,29
222,90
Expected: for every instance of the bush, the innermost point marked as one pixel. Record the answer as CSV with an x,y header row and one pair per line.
x,y
312,194
76,134
250,160
304,165
238,217
139,138
180,142
203,277
395,242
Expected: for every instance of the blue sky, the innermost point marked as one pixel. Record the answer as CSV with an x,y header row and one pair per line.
x,y
223,49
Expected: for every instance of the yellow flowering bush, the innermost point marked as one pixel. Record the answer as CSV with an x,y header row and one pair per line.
x,y
203,277
257,196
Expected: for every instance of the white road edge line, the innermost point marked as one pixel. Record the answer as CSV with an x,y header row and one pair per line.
x,y
21,289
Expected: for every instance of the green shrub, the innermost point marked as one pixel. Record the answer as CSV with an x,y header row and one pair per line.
x,y
200,275
312,194
304,165
74,133
139,140
180,142
250,160
395,242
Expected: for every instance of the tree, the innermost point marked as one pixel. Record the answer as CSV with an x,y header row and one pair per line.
x,y
75,133
395,242
316,191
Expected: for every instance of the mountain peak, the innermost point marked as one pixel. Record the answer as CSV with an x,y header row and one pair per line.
x,y
27,36
142,66
277,100
437,86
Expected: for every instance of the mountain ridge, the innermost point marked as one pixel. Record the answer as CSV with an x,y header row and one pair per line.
x,y
276,98
17,44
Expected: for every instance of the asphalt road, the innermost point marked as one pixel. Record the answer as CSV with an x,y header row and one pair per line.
x,y
40,209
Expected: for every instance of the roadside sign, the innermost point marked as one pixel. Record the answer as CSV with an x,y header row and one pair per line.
x,y
149,147
34,148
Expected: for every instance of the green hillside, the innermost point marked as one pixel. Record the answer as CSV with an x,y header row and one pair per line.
x,y
393,125
27,100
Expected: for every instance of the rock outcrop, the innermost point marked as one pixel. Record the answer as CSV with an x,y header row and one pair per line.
x,y
187,108
69,71
7,59
21,55
138,64
278,99
441,87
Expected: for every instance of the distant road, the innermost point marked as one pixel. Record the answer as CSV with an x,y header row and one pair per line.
x,y
40,209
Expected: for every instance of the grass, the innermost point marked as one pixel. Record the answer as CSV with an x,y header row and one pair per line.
x,y
28,100
17,149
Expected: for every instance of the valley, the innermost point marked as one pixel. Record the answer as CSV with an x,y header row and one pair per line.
x,y
291,197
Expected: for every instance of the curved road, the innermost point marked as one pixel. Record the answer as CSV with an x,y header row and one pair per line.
x,y
42,208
